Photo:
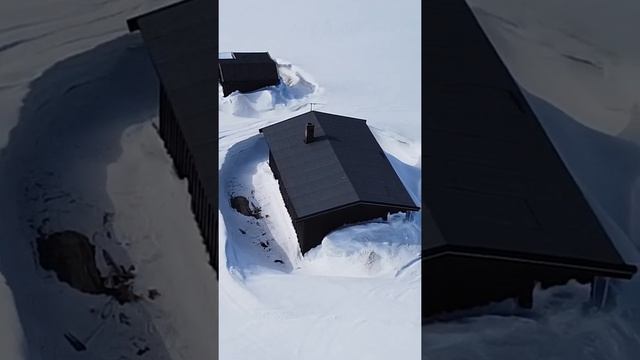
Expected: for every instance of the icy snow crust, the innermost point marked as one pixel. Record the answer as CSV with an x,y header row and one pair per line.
x,y
357,295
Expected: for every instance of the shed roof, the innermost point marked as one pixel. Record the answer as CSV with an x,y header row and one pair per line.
x,y
248,66
342,166
494,183
182,41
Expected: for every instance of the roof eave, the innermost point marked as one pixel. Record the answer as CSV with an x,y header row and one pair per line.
x,y
619,270
132,23
314,112
401,208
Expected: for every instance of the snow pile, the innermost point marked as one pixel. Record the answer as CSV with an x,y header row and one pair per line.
x,y
376,249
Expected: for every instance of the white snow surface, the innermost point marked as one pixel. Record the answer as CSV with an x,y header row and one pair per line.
x,y
579,55
79,151
357,295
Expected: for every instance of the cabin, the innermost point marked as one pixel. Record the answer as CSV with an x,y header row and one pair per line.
x,y
502,211
332,172
246,71
182,43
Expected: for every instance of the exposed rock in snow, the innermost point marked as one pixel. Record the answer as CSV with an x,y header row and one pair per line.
x,y
242,205
72,257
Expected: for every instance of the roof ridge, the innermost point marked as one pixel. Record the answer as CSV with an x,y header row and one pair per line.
x,y
335,155
132,23
361,197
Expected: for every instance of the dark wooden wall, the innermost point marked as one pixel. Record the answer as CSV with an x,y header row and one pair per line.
x,y
201,205
455,282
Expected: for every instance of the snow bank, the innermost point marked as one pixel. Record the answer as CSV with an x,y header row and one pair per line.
x,y
374,249
577,54
11,334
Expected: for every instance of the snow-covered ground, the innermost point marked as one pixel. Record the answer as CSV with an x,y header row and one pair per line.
x,y
579,63
357,295
79,152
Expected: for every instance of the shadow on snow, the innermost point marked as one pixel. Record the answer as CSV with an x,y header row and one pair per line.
x,y
69,131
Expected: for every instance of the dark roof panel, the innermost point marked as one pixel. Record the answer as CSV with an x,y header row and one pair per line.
x,y
175,17
343,165
182,44
248,67
182,41
494,182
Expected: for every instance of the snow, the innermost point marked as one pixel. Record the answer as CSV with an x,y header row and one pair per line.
x,y
79,151
165,243
11,335
357,295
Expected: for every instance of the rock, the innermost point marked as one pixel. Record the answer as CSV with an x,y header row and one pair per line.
x,y
123,293
242,205
153,293
75,342
142,351
72,257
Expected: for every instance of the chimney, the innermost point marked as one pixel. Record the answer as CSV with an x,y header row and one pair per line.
x,y
308,133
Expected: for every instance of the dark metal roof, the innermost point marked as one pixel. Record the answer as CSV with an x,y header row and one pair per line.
x,y
494,183
182,41
342,166
258,66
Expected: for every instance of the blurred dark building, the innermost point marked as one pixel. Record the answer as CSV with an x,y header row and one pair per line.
x,y
502,211
182,44
246,72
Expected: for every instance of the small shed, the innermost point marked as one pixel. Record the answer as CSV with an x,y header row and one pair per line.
x,y
182,43
246,71
503,211
332,172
